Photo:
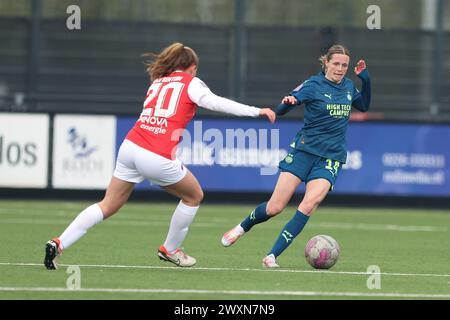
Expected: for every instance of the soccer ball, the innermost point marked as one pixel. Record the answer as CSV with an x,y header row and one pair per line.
x,y
322,252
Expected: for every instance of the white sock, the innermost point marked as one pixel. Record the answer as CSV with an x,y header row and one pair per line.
x,y
87,218
179,226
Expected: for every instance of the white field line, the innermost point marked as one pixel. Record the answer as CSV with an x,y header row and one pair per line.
x,y
328,225
367,226
231,292
234,269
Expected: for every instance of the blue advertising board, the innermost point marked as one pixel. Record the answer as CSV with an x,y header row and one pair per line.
x,y
397,159
241,155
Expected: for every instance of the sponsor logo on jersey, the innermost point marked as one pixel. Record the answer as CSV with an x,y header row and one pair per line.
x,y
146,117
339,110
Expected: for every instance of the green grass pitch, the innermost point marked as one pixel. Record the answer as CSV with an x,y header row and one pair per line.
x,y
117,258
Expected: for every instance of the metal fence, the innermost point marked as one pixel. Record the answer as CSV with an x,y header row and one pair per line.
x,y
45,67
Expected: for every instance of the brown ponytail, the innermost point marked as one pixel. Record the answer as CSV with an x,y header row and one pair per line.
x,y
176,56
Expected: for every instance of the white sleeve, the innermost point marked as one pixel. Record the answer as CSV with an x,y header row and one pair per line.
x,y
202,96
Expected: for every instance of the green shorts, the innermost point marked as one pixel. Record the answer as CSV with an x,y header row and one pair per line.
x,y
307,166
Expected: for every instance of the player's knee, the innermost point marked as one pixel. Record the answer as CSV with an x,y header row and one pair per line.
x,y
108,209
200,196
194,200
307,207
273,208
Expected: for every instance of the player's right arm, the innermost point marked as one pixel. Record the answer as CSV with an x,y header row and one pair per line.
x,y
202,96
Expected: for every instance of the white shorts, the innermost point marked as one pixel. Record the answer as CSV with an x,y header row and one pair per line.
x,y
135,164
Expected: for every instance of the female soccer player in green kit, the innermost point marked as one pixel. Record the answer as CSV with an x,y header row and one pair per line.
x,y
318,150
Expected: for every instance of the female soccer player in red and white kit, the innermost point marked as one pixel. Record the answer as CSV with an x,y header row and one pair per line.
x,y
148,152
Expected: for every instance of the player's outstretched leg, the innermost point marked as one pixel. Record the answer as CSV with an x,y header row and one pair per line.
x,y
286,185
257,216
78,228
316,190
116,195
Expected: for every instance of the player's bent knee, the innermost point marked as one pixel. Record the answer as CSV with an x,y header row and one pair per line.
x,y
193,200
199,197
273,209
308,207
108,210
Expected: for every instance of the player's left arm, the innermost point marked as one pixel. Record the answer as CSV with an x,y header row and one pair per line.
x,y
361,100
202,96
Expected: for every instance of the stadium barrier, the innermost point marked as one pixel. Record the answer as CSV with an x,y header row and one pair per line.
x,y
77,152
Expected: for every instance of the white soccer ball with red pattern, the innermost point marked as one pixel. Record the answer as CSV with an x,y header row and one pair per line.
x,y
322,252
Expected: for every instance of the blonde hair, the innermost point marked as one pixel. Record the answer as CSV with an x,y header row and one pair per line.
x,y
176,56
337,48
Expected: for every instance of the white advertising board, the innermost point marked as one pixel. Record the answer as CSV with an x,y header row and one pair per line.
x,y
23,150
83,151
